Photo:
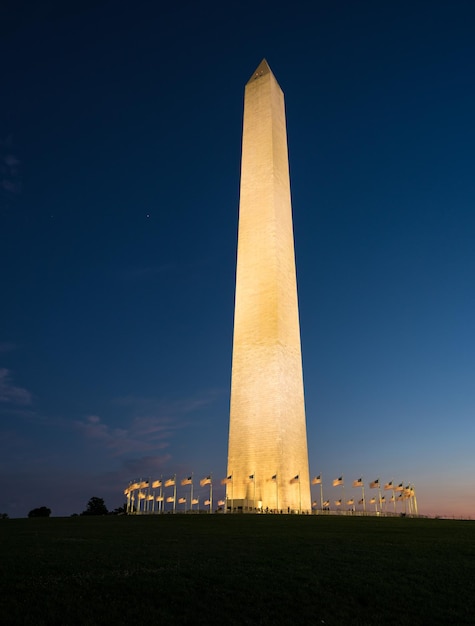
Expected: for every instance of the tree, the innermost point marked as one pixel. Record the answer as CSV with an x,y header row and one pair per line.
x,y
120,510
95,506
41,511
3,515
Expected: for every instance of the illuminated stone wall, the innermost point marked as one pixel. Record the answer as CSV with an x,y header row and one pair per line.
x,y
267,435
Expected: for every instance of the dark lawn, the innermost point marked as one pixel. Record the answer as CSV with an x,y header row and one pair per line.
x,y
224,569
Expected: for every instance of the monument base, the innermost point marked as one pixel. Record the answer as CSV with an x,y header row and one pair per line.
x,y
243,505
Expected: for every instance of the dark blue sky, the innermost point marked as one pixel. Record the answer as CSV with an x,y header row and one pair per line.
x,y
120,129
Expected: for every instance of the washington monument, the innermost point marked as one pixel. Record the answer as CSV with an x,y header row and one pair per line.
x,y
267,455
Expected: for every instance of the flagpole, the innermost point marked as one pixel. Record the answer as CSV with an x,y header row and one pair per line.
x,y
321,494
226,496
174,494
300,497
254,497
364,499
191,493
277,491
160,504
211,495
343,489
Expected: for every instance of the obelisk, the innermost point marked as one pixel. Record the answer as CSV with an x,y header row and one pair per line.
x,y
267,454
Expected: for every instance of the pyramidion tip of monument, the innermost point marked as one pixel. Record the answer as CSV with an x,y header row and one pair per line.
x,y
261,70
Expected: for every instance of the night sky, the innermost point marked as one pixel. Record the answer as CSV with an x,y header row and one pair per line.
x,y
120,131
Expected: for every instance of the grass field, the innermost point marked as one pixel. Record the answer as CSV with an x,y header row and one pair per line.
x,y
230,569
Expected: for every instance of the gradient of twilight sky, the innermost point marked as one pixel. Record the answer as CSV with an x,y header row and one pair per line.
x,y
120,129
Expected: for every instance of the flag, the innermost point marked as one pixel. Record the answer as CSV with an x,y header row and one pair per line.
x,y
372,501
361,501
314,504
338,481
295,479
159,498
274,477
181,500
388,486
317,480
150,497
156,483
170,482
350,501
393,499
326,503
399,497
170,499
338,502
374,484
400,487
143,484
205,481
220,502
141,496
207,502
195,501
251,477
358,483
187,481
383,499
227,480
126,491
